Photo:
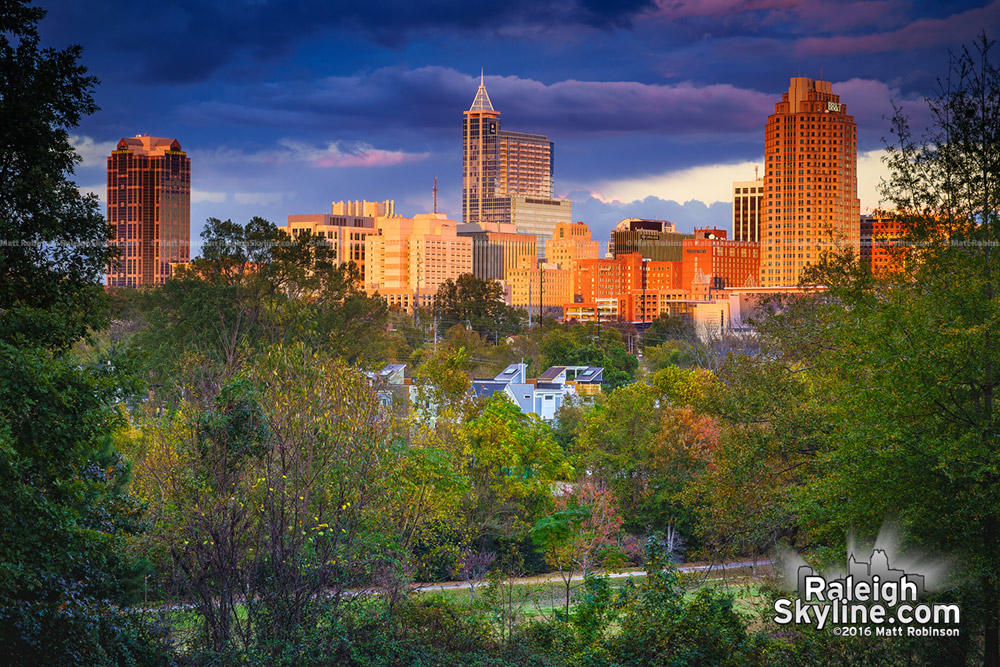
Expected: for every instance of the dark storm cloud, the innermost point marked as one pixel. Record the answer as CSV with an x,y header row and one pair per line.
x,y
431,99
188,40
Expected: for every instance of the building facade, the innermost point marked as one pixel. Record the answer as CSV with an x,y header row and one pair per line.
x,y
883,244
149,208
569,244
345,234
497,249
526,164
713,262
367,209
747,198
481,192
653,239
542,288
811,201
409,258
539,217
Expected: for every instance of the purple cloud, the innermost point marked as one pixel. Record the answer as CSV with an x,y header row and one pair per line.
x,y
920,34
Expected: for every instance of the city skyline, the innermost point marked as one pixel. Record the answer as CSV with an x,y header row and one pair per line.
x,y
290,122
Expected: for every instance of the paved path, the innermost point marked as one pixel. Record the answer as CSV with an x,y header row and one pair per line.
x,y
541,579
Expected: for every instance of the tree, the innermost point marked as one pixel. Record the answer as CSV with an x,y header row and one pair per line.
x,y
901,372
583,533
511,460
667,328
64,569
479,305
585,345
274,498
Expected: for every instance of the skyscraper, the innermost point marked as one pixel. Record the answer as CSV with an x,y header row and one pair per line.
x,y
507,176
811,200
149,206
481,201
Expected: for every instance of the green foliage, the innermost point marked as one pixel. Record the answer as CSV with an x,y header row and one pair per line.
x,y
667,328
56,248
585,345
479,305
64,504
510,459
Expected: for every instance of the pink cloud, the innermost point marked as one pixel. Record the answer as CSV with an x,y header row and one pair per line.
x,y
368,158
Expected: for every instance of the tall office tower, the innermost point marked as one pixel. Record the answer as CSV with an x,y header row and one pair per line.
x,y
149,206
811,203
747,198
526,164
507,176
481,200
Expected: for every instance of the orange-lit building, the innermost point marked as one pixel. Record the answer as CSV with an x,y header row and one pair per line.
x,y
810,202
724,262
540,287
570,243
409,258
149,207
881,238
345,234
497,248
595,279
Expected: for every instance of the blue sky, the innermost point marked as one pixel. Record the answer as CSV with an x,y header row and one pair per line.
x,y
654,107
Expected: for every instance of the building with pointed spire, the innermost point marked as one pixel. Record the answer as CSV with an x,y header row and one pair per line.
x,y
507,176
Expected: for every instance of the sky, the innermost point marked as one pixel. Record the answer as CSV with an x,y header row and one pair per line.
x,y
654,106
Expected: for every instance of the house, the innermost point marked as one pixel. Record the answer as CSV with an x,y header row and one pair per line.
x,y
544,395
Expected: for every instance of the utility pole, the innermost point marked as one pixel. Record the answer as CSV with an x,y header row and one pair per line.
x,y
416,305
541,292
529,298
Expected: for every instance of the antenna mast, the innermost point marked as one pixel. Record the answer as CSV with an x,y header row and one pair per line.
x,y
435,194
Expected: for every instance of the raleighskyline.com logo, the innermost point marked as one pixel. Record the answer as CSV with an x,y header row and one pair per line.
x,y
871,599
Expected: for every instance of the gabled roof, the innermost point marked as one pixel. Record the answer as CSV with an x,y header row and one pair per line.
x,y
513,373
482,101
552,374
487,388
591,375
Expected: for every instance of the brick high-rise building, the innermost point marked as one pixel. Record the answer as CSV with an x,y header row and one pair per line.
x,y
149,207
811,199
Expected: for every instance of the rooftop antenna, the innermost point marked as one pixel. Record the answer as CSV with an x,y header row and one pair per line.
x,y
755,176
435,194
481,75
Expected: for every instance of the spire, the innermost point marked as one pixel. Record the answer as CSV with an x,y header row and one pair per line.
x,y
482,101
